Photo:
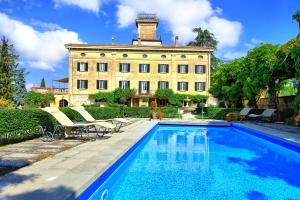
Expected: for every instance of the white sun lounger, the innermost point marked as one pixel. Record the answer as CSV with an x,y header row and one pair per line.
x,y
84,128
89,118
267,114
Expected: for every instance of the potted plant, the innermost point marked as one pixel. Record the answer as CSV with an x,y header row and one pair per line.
x,y
229,117
159,115
146,99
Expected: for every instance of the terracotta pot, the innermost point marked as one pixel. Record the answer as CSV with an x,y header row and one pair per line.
x,y
229,117
241,118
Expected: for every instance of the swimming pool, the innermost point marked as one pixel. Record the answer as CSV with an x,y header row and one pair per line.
x,y
201,162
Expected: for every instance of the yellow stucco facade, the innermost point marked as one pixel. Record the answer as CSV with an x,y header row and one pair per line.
x,y
141,52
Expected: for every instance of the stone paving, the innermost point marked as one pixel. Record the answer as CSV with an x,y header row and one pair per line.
x,y
281,127
66,174
282,134
14,156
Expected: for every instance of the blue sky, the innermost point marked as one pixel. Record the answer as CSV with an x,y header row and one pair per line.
x,y
40,28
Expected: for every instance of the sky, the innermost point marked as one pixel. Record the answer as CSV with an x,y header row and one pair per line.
x,y
38,29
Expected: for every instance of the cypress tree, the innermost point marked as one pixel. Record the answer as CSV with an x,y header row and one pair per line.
x,y
43,83
7,69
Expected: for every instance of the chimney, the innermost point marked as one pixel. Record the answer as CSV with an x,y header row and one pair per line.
x,y
112,40
176,40
139,41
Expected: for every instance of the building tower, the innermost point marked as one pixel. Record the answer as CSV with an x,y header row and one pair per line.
x,y
147,28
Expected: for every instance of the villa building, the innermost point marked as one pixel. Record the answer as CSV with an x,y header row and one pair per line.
x,y
145,65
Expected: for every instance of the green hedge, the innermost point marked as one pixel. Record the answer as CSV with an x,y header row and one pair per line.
x,y
170,112
143,112
72,114
220,113
15,123
103,112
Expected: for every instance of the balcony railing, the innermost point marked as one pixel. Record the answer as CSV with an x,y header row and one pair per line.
x,y
51,90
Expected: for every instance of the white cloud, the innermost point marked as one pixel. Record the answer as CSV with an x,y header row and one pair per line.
x,y
253,43
29,86
43,50
89,5
181,16
230,55
47,26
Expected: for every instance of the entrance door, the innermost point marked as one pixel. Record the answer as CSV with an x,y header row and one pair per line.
x,y
136,102
63,103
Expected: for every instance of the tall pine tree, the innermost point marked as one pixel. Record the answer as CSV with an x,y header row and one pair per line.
x,y
7,69
20,86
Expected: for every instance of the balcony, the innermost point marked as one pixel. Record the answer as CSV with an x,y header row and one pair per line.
x,y
50,90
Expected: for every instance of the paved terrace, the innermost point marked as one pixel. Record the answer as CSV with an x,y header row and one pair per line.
x,y
68,173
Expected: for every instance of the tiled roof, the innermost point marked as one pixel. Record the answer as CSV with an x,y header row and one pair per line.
x,y
116,46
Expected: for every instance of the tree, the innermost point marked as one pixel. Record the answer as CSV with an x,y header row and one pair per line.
x,y
227,83
296,17
7,69
258,72
206,38
20,86
43,83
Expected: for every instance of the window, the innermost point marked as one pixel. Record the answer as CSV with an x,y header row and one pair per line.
x,y
144,87
124,67
125,55
145,56
82,66
200,57
183,56
124,84
102,54
183,69
82,84
163,68
101,84
200,69
144,68
101,67
182,86
163,56
163,84
199,86
83,54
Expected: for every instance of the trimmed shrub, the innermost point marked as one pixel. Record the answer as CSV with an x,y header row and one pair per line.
x,y
286,113
72,114
103,96
143,112
220,113
170,112
103,112
15,124
4,103
32,99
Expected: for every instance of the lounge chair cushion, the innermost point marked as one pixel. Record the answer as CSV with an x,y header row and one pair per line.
x,y
245,111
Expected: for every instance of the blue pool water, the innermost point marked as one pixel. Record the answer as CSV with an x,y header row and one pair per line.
x,y
196,162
